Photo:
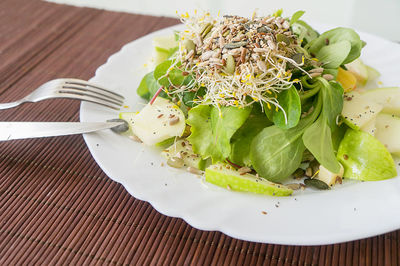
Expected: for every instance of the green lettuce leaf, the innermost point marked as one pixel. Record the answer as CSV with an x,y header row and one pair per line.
x,y
212,130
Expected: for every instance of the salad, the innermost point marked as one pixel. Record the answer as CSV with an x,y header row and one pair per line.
x,y
267,105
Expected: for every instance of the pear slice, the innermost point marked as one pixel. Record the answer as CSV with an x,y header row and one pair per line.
x,y
388,132
370,126
183,149
328,177
364,157
225,176
358,111
359,70
389,98
158,121
162,46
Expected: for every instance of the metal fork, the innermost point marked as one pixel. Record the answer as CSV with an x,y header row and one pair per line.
x,y
71,89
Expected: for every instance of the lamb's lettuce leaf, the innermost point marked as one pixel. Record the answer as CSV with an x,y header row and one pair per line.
x,y
242,139
276,153
332,99
334,36
174,75
212,129
289,100
149,86
318,140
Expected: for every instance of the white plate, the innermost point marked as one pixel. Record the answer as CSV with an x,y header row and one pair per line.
x,y
351,211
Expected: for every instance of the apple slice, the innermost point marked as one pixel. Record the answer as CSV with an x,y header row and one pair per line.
x,y
225,176
388,132
158,121
358,111
364,157
389,98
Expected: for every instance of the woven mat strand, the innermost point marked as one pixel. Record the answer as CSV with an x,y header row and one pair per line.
x,y
57,206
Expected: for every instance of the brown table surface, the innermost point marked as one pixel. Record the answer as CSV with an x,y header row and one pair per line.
x,y
57,206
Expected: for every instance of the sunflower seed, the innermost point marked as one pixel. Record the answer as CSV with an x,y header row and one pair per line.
x,y
173,121
244,170
194,170
262,66
328,76
230,65
271,45
294,186
260,50
316,70
314,75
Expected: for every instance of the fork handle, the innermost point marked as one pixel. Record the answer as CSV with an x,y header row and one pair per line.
x,y
10,105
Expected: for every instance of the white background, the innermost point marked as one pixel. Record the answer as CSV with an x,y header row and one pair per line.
x,y
373,16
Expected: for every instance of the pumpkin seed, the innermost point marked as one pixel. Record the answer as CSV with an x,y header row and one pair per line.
x,y
316,184
314,165
230,65
299,173
189,45
121,128
307,157
298,58
206,29
234,45
282,38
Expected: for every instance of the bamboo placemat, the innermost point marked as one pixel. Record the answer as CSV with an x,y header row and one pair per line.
x,y
56,204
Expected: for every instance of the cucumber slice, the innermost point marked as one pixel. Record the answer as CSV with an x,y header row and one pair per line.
x,y
225,176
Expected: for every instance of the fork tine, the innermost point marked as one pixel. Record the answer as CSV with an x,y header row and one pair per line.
x,y
89,94
85,83
87,90
89,99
